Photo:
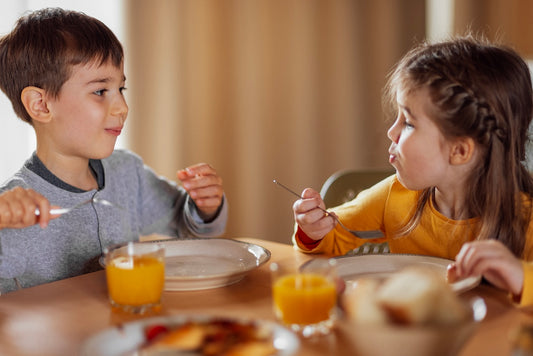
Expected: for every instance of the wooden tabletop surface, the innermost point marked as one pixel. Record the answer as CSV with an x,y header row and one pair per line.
x,y
56,318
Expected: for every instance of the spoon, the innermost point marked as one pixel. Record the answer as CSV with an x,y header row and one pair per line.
x,y
60,211
373,234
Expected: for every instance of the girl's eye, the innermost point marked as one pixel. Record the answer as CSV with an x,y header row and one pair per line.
x,y
122,89
100,92
408,124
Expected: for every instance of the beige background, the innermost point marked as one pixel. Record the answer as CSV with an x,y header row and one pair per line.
x,y
264,89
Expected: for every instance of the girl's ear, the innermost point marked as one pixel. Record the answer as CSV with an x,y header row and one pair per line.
x,y
34,101
462,150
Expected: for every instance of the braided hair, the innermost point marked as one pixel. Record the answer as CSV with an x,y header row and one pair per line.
x,y
483,91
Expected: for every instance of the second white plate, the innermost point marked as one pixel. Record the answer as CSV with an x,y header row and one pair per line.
x,y
353,267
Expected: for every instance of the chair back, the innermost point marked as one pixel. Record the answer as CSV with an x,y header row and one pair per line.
x,y
343,186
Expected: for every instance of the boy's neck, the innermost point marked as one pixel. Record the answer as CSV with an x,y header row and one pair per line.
x,y
72,170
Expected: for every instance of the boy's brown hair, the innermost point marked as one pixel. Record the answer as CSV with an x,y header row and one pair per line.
x,y
44,45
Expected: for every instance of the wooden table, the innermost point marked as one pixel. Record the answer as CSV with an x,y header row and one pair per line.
x,y
55,318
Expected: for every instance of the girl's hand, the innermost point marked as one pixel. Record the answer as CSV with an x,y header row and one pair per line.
x,y
17,208
313,222
492,260
205,188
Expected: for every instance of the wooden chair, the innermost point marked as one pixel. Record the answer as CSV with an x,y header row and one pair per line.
x,y
343,186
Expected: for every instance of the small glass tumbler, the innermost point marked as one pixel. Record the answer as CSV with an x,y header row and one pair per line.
x,y
135,275
306,300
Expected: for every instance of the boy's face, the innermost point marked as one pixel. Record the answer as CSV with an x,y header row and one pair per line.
x,y
89,112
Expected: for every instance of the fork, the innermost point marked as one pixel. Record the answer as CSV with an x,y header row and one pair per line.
x,y
373,234
60,211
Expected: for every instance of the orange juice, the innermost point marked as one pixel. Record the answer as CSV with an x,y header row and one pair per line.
x,y
304,298
135,280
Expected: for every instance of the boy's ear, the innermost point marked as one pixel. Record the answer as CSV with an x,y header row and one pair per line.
x,y
462,150
33,99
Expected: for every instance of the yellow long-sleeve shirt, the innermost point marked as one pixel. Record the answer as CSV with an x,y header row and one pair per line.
x,y
387,207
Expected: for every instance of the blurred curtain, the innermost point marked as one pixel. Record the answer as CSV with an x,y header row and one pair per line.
x,y
505,21
263,90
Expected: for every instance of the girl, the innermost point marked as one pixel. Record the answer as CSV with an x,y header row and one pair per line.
x,y
461,189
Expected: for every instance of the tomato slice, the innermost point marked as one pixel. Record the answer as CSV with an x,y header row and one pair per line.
x,y
153,331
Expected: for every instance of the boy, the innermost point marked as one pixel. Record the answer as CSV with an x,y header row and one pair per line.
x,y
64,74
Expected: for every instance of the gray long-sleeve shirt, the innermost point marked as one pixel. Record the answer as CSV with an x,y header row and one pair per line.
x,y
72,244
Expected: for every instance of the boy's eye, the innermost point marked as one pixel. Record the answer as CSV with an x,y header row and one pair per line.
x,y
122,89
100,92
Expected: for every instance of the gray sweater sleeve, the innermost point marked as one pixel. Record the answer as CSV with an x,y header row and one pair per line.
x,y
161,206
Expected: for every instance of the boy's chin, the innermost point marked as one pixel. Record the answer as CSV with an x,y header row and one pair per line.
x,y
103,154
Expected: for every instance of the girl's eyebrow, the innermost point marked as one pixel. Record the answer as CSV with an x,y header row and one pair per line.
x,y
406,109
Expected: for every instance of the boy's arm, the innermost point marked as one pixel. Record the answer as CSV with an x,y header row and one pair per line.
x,y
161,207
204,186
17,208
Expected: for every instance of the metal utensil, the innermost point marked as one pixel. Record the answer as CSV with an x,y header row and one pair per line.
x,y
372,234
60,211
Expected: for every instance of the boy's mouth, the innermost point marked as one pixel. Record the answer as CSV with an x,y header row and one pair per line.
x,y
115,131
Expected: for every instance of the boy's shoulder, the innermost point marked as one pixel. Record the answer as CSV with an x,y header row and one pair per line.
x,y
15,181
19,179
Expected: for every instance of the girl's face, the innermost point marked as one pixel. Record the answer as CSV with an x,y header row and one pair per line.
x,y
90,111
419,152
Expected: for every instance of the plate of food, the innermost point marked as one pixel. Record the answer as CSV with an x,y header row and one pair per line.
x,y
204,263
351,268
193,336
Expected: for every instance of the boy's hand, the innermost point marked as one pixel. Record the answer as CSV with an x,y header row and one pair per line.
x,y
17,208
205,188
492,260
313,222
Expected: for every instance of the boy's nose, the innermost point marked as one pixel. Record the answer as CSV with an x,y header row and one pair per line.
x,y
120,108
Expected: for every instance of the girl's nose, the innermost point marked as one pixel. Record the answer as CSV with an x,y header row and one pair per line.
x,y
393,133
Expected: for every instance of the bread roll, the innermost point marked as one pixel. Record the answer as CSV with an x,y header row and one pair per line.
x,y
360,302
412,296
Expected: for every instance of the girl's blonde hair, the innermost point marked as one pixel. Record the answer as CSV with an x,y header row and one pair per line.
x,y
483,91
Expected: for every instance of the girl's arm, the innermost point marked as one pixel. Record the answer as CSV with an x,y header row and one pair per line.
x,y
492,260
312,221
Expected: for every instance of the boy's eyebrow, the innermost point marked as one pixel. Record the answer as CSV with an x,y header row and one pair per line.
x,y
103,80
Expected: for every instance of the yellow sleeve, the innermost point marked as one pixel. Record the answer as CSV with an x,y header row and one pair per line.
x,y
365,212
526,299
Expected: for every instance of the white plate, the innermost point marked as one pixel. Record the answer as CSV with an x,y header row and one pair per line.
x,y
124,339
209,263
204,263
353,267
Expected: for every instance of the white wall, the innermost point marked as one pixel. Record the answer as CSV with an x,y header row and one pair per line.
x,y
17,140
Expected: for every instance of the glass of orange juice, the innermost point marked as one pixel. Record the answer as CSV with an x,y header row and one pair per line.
x,y
305,300
135,275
